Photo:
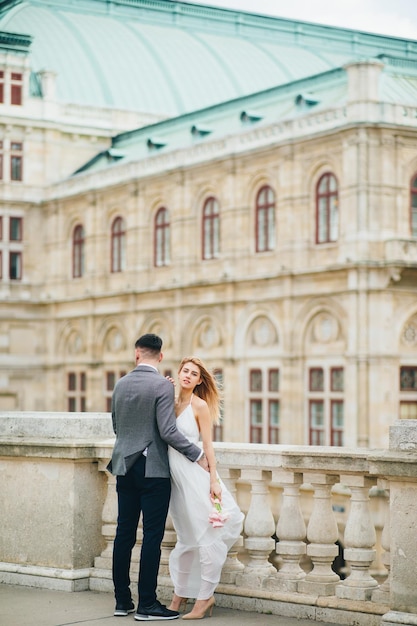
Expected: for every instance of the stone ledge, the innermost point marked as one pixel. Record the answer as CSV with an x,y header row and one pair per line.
x,y
45,577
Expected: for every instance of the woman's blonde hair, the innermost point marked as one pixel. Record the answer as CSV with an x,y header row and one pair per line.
x,y
207,389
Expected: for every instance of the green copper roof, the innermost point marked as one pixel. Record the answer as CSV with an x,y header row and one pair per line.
x,y
169,58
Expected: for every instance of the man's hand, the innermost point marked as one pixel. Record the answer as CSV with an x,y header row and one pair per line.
x,y
204,463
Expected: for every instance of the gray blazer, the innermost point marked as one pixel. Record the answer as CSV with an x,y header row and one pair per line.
x,y
143,416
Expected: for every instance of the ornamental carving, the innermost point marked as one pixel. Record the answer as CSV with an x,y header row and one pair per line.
x,y
410,334
262,332
208,335
325,328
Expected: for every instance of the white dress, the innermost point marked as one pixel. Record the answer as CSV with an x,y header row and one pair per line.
x,y
196,562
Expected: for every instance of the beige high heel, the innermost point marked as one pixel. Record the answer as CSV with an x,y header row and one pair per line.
x,y
178,603
199,613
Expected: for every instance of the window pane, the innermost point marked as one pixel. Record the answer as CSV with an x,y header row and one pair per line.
x,y
274,413
72,382
255,383
15,267
256,412
110,381
265,220
15,229
408,410
72,405
273,380
118,245
317,413
82,381
316,379
16,167
327,209
408,378
337,379
337,414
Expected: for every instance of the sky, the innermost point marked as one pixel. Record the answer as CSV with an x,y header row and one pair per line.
x,y
397,18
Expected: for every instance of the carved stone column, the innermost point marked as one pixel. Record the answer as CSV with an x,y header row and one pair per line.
x,y
322,533
109,518
360,539
232,565
382,594
291,532
259,527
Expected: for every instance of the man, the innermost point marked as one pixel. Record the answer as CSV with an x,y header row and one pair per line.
x,y
144,421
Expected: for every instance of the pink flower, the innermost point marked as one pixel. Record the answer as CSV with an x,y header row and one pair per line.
x,y
218,516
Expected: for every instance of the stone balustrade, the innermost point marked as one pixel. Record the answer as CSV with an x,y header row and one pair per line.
x,y
329,533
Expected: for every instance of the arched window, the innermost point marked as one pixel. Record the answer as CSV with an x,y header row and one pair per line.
x,y
211,229
78,251
413,206
118,245
265,220
327,209
162,247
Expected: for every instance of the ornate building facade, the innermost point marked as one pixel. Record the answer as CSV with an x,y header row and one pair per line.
x,y
244,186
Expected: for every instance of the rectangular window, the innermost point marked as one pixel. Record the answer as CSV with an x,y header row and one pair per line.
x,y
76,392
16,228
16,161
264,406
336,435
273,421
408,379
16,88
317,430
255,380
1,87
15,265
408,392
316,379
256,421
110,381
326,406
408,410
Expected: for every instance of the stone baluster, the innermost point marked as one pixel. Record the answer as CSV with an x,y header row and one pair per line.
x,y
259,527
101,576
359,541
322,533
291,532
382,594
232,565
109,519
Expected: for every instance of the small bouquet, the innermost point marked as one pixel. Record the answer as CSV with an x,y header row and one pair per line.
x,y
218,516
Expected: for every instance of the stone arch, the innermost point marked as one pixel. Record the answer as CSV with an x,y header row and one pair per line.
x,y
203,334
321,325
71,340
111,339
259,180
159,325
258,333
317,169
408,333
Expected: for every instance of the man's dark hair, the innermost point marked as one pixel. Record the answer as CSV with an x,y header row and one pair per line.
x,y
149,342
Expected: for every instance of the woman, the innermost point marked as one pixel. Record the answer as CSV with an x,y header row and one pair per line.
x,y
201,549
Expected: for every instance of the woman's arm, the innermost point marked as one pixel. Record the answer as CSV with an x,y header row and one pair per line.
x,y
205,425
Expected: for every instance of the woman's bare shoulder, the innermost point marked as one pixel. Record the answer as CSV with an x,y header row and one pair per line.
x,y
199,403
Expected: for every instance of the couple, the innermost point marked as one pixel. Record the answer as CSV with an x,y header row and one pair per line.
x,y
146,420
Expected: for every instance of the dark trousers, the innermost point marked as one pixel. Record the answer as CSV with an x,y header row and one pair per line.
x,y
149,496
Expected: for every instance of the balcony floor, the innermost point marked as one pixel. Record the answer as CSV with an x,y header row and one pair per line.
x,y
29,606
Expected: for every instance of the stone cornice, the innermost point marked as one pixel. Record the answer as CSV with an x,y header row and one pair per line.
x,y
14,41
